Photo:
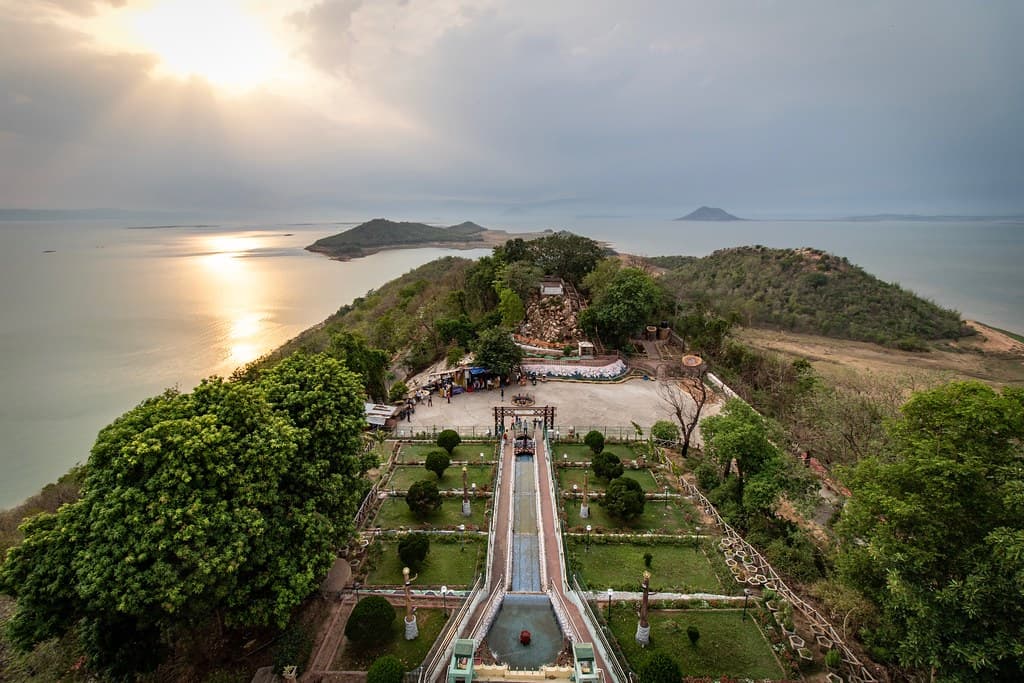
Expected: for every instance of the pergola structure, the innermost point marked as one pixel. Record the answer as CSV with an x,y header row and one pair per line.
x,y
546,413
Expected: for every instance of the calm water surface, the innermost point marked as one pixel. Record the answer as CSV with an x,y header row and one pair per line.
x,y
115,315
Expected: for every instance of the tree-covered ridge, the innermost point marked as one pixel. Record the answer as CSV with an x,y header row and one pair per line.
x,y
224,505
381,232
808,290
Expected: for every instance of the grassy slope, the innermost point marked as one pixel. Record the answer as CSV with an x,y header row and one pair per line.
x,y
807,290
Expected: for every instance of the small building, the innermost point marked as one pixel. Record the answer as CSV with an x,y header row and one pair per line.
x,y
378,414
460,670
552,287
583,662
586,349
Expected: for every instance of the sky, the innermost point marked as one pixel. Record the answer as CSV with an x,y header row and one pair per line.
x,y
317,106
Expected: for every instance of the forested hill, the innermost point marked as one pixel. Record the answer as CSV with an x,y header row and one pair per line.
x,y
807,290
381,233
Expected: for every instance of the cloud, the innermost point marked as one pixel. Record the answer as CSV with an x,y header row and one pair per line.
x,y
758,106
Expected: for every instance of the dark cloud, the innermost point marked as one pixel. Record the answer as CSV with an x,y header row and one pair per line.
x,y
795,106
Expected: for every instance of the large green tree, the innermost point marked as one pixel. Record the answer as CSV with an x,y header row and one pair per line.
x,y
359,357
222,503
566,255
624,306
934,533
624,499
496,351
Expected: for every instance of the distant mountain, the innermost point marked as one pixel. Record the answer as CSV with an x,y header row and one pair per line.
x,y
913,218
380,233
709,213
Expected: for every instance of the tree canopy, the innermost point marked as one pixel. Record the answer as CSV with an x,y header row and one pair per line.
x,y
448,439
437,461
413,549
934,533
496,351
623,307
423,498
228,500
624,499
565,255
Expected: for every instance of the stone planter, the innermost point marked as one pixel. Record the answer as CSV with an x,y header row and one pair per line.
x,y
824,643
834,678
804,655
817,630
796,642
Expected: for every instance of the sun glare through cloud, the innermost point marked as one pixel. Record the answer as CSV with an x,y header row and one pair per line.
x,y
221,42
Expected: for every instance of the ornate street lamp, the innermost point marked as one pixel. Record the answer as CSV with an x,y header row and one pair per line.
x,y
588,537
746,596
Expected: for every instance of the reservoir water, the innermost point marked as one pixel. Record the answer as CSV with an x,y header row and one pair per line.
x,y
114,315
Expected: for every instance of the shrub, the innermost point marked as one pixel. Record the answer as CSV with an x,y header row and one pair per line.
x,y
370,621
293,647
448,440
607,466
660,668
665,430
398,391
386,669
832,659
693,633
413,549
595,441
648,558
624,499
455,356
423,498
437,462
707,476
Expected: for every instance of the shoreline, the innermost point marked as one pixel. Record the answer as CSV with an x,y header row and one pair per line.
x,y
488,240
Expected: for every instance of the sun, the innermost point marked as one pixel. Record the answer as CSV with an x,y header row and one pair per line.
x,y
220,42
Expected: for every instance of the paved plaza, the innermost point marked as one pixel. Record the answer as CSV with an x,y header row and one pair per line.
x,y
581,405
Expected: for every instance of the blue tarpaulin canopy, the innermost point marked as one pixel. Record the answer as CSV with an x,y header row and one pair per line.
x,y
478,371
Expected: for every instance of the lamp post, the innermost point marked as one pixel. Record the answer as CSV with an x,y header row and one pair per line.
x,y
609,607
355,587
472,487
462,537
746,596
444,601
588,538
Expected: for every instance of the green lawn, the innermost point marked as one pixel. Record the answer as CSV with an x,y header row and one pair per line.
x,y
567,476
578,452
405,476
410,652
446,564
417,452
728,645
394,514
675,568
656,517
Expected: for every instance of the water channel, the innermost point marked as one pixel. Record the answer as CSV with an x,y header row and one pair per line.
x,y
525,607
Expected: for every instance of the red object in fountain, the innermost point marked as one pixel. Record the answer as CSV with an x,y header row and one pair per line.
x,y
524,637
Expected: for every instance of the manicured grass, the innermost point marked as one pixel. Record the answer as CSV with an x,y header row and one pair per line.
x,y
446,564
567,476
405,476
656,517
410,652
394,514
417,452
675,568
579,452
728,644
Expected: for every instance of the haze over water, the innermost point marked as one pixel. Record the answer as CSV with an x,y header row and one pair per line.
x,y
115,315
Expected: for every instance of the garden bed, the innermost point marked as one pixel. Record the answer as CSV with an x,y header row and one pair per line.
x,y
405,476
410,652
394,513
449,562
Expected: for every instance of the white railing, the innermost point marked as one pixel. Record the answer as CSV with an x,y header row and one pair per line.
x,y
539,518
438,654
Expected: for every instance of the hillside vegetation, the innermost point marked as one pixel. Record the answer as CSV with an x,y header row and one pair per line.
x,y
807,290
381,232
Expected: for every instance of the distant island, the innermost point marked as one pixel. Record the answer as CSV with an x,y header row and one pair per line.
x,y
709,213
381,234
